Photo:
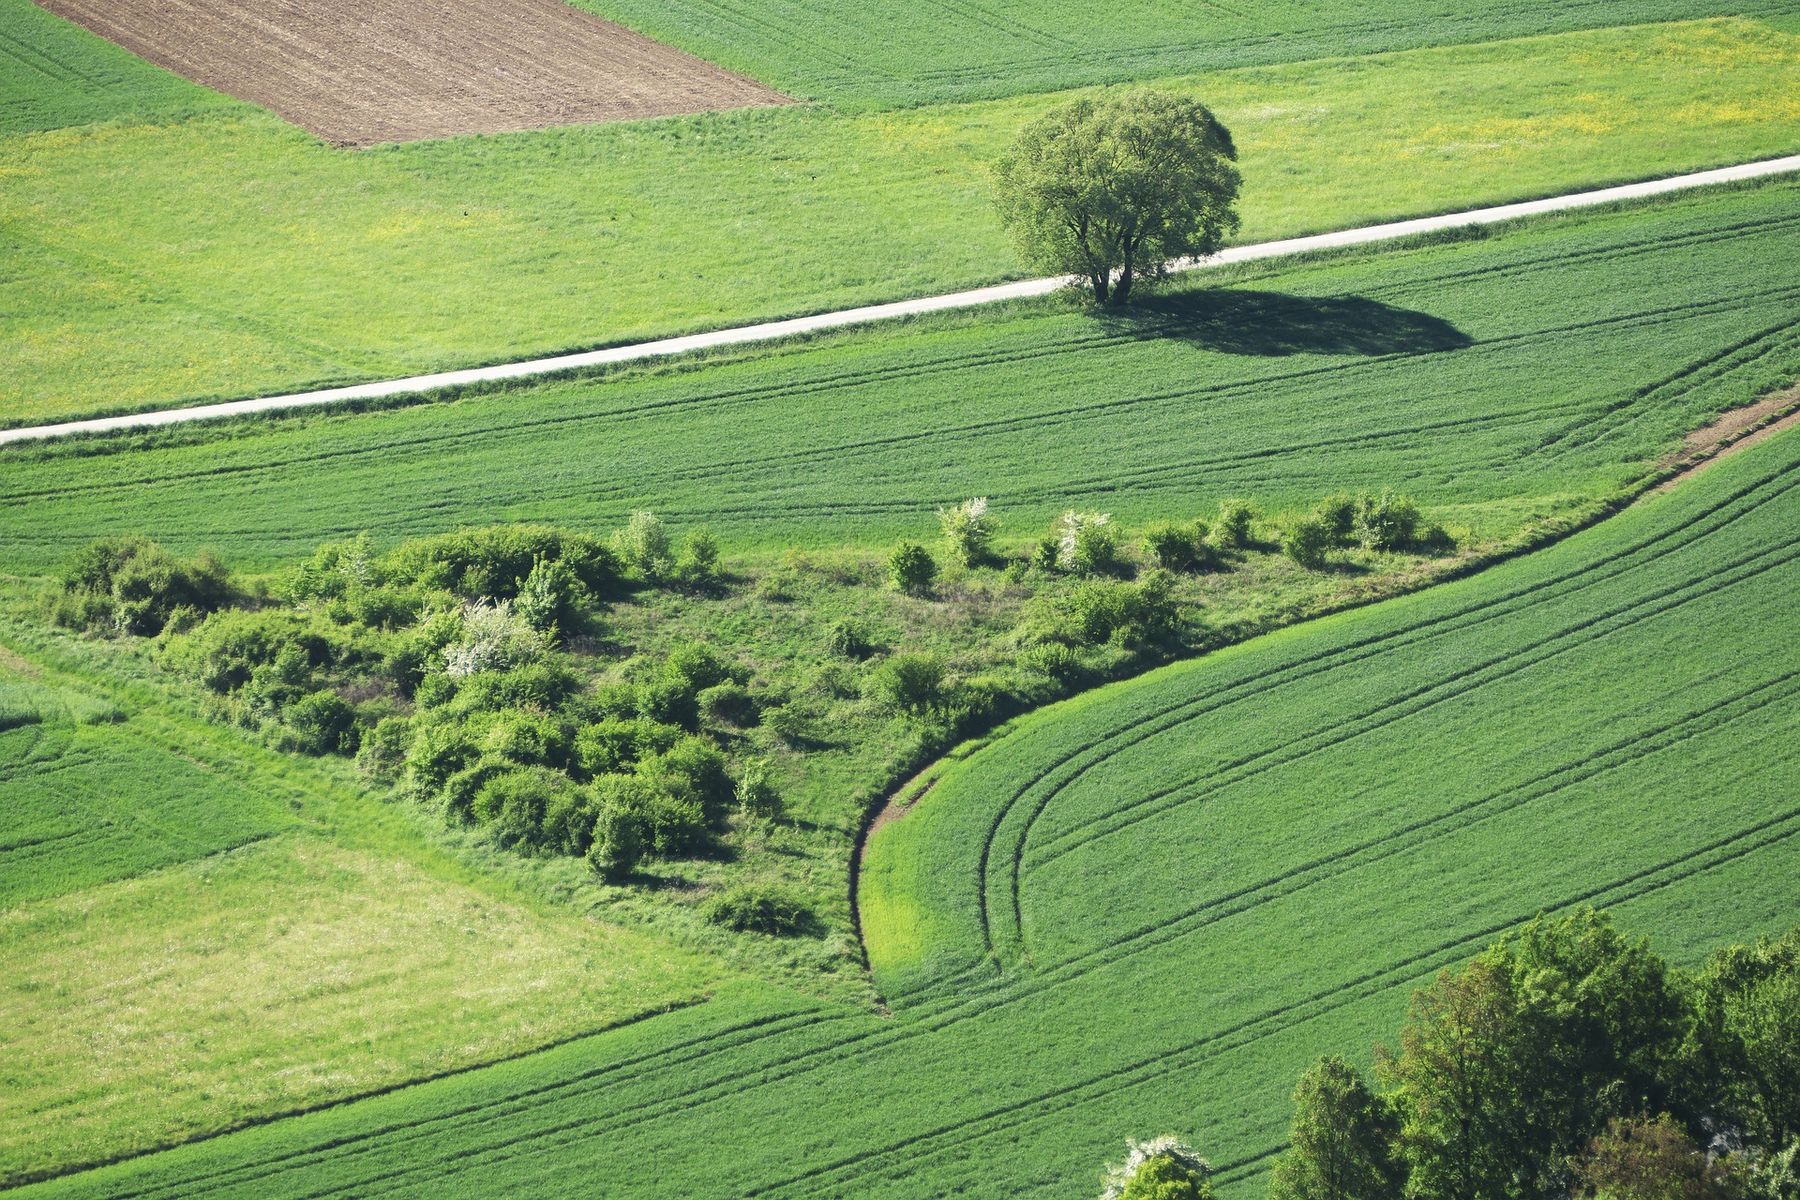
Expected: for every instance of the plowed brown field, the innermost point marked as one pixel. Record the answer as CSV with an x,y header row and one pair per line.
x,y
359,72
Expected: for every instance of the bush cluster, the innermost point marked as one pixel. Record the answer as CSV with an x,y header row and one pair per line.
x,y
437,665
131,585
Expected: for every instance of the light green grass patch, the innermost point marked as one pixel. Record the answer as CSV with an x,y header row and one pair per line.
x,y
285,975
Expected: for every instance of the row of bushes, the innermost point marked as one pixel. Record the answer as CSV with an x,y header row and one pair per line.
x,y
1089,544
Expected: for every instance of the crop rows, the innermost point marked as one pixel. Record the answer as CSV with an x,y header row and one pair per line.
x,y
1190,1001
89,803
862,56
1636,320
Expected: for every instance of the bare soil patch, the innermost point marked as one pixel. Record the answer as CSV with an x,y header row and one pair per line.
x,y
1736,430
361,72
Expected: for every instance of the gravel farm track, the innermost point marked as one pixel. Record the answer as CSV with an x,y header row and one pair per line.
x,y
359,74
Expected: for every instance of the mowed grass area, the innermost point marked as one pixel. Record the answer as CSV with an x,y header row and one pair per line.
x,y
887,53
281,976
1499,381
156,260
1273,879
199,932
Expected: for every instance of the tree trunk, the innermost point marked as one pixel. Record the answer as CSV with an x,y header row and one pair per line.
x,y
1102,286
1121,292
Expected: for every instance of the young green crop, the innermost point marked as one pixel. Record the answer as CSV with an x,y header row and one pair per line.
x,y
885,53
1151,907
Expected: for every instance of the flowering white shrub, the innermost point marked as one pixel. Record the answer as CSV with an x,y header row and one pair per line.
x,y
1119,1175
644,543
1086,543
494,638
969,530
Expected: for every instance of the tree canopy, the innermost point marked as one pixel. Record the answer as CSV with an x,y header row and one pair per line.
x,y
1115,187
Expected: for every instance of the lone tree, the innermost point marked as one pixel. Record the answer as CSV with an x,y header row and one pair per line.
x,y
1118,186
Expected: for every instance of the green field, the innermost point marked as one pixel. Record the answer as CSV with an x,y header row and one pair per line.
x,y
189,247
1266,879
1502,379
888,53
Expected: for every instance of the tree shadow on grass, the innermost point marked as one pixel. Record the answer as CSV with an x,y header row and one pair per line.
x,y
1236,321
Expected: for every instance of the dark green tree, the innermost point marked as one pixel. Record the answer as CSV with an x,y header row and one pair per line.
x,y
1344,1140
1456,1082
1601,1028
1746,1038
1116,186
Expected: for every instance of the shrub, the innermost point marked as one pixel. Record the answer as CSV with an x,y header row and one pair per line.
x,y
224,652
1044,555
1086,543
493,639
1307,541
553,600
322,723
909,683
615,838
439,750
514,803
526,736
569,820
661,821
1124,613
787,722
849,639
1232,530
757,795
132,585
728,703
1338,513
460,790
693,769
758,909
1054,660
1178,547
617,743
1163,1168
698,565
968,530
911,569
644,544
382,752
492,562
671,694
1386,522
543,685
336,569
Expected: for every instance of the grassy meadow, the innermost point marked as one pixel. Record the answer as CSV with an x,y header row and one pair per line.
x,y
1499,380
1273,883
188,247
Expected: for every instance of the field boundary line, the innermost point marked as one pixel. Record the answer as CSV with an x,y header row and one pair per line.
x,y
793,327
